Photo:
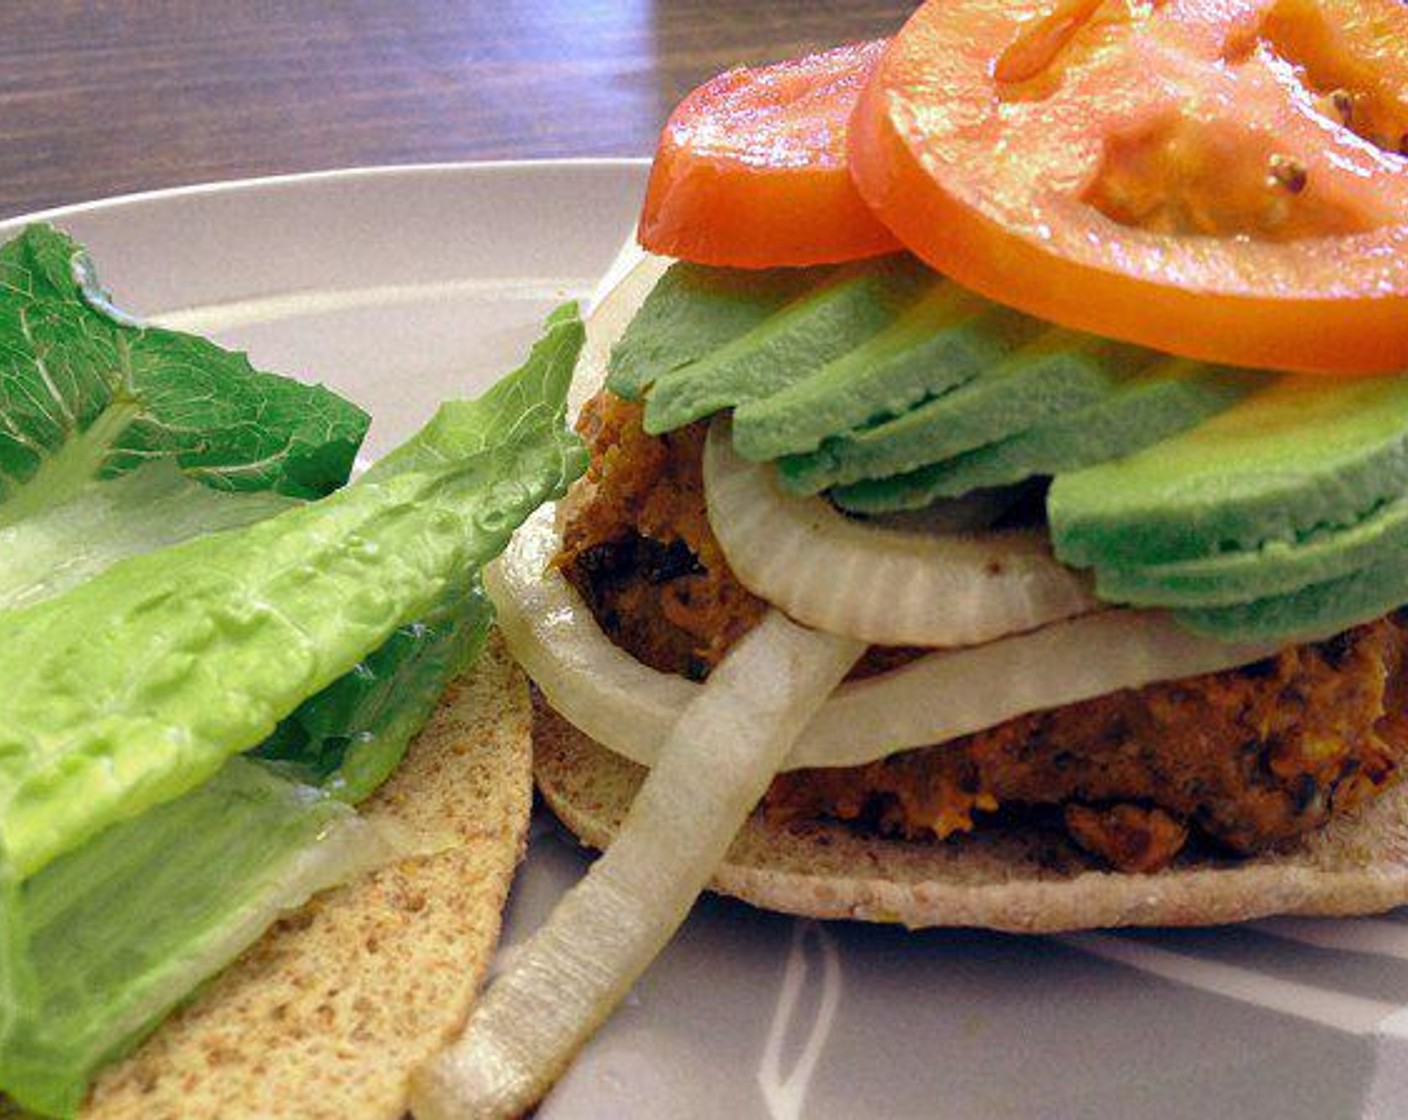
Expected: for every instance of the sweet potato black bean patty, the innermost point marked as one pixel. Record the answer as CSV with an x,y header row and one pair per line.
x,y
1246,758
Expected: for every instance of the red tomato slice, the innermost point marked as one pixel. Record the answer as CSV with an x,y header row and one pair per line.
x,y
1221,179
751,169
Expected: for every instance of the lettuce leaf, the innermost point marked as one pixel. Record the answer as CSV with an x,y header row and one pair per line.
x,y
105,941
136,686
147,509
152,628
351,736
87,393
348,738
100,416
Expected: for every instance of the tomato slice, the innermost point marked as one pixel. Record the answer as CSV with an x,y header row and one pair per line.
x,y
751,168
1221,179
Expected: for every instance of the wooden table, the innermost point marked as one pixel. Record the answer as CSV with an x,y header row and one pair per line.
x,y
101,98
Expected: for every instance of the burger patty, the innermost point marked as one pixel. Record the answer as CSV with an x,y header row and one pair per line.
x,y
638,547
1246,758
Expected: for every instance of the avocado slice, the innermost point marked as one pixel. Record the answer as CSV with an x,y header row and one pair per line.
x,y
693,311
1298,457
943,340
1312,612
1277,568
1059,372
1167,398
826,321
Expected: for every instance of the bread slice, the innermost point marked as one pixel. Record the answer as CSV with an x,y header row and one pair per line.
x,y
1005,880
331,1011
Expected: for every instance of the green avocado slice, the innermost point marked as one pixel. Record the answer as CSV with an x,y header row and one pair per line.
x,y
1274,569
1299,457
1059,372
944,340
1172,396
826,322
694,310
1312,612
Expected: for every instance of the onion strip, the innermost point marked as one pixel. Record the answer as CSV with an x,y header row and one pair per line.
x,y
884,586
630,708
600,688
711,772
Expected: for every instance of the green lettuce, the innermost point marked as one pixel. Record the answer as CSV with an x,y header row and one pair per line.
x,y
102,943
167,604
351,736
152,507
105,941
87,393
136,686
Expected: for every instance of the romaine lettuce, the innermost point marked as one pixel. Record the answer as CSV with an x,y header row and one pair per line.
x,y
99,946
134,687
151,628
103,942
149,508
349,738
85,392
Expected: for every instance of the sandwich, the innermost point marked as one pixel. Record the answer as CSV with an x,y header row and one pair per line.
x,y
1103,768
996,513
264,773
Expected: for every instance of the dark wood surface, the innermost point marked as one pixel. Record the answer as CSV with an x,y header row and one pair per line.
x,y
109,96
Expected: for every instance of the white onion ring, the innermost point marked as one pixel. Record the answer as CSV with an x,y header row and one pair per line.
x,y
606,930
630,708
883,586
712,770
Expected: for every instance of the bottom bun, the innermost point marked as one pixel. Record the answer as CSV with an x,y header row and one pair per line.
x,y
330,1012
995,879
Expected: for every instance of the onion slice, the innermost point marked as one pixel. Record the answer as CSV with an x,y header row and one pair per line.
x,y
630,708
598,687
711,772
881,585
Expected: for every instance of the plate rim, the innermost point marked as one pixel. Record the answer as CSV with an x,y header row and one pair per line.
x,y
283,180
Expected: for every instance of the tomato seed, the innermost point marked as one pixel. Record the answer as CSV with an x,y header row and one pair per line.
x,y
1342,102
1288,172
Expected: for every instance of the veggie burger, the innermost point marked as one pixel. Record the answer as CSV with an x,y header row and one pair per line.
x,y
998,497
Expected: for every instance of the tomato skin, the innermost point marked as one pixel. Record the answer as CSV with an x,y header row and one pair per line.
x,y
1324,304
751,169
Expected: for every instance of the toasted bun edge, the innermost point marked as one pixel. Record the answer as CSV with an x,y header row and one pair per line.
x,y
1001,880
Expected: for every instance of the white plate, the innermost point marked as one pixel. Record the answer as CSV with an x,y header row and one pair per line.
x,y
404,286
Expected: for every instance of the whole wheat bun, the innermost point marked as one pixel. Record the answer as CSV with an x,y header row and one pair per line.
x,y
994,879
997,880
330,1012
